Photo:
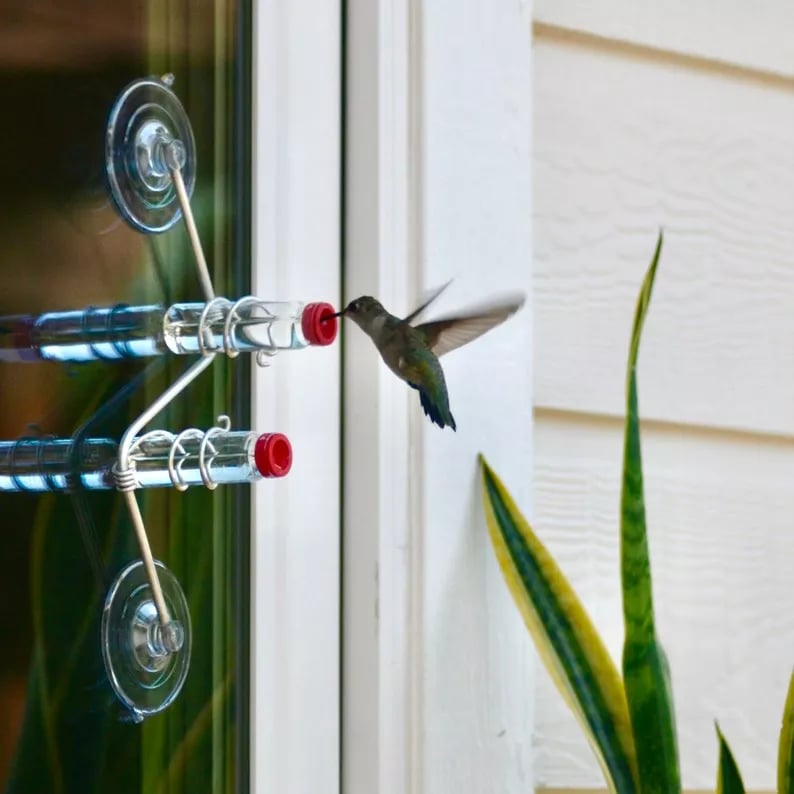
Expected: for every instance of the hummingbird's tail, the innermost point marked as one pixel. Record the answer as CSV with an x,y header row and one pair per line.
x,y
438,413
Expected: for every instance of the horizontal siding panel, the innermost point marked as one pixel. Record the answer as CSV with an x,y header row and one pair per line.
x,y
622,147
721,524
753,35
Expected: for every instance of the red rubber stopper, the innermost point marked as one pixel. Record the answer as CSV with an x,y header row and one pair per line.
x,y
318,324
273,455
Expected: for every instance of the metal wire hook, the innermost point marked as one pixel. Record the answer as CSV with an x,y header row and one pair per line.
x,y
175,470
224,425
204,329
174,152
232,318
124,475
123,471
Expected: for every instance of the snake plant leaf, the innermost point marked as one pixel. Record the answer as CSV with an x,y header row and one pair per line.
x,y
729,780
645,670
571,649
785,755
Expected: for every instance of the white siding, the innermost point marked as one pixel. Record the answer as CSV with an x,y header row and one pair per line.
x,y
694,136
734,32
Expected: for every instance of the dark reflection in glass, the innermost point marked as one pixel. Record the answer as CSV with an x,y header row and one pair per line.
x,y
63,247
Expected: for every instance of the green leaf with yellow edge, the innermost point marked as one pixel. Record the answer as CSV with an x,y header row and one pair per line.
x,y
729,780
785,753
645,670
565,637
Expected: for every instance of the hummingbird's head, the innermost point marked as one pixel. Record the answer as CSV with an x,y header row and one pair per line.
x,y
364,311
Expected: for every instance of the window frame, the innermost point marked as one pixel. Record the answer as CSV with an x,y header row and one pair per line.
x,y
295,560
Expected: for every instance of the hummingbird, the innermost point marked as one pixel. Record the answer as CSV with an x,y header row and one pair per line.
x,y
411,352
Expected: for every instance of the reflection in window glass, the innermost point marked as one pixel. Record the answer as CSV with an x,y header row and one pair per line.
x,y
64,247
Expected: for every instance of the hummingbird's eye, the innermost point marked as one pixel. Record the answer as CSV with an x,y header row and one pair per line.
x,y
355,306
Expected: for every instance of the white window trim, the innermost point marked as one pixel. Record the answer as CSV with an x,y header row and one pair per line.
x,y
295,742
380,435
408,514
389,744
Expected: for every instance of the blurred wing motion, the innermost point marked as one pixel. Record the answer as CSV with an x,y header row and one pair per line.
x,y
428,299
450,333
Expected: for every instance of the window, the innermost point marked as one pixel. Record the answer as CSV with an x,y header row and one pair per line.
x,y
66,248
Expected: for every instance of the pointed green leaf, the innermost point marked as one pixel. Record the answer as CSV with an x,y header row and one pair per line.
x,y
568,643
645,670
785,753
729,780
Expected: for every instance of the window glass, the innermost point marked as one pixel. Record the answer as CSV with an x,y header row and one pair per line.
x,y
64,247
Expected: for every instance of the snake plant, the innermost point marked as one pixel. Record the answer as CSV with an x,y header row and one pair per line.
x,y
627,715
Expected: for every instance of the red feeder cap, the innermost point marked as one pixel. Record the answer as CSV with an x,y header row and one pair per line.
x,y
317,323
273,455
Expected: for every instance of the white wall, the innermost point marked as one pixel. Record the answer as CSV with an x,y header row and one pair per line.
x,y
678,115
438,685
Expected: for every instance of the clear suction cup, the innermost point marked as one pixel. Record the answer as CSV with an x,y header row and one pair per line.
x,y
148,133
146,666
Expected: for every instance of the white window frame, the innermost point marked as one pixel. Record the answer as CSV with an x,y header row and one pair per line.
x,y
414,135
295,742
395,465
381,241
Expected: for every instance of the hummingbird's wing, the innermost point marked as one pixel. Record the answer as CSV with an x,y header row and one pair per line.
x,y
449,333
428,299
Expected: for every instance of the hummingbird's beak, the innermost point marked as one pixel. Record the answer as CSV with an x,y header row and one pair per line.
x,y
331,316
